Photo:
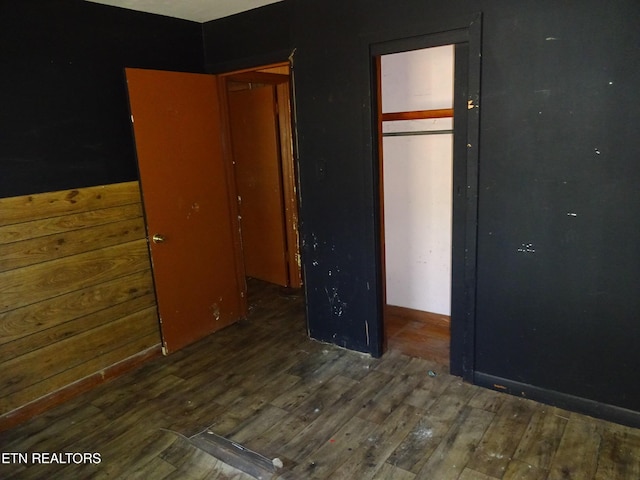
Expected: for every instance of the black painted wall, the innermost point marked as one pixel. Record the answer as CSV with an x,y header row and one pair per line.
x,y
64,120
558,274
257,37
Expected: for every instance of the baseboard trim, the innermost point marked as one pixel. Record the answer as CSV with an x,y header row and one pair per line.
x,y
42,404
585,406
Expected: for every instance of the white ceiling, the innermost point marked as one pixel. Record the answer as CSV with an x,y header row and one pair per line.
x,y
195,10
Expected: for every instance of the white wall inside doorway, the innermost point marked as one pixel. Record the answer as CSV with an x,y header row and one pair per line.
x,y
417,173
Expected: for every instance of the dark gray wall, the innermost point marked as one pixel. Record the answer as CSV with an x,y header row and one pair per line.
x,y
64,119
257,37
558,271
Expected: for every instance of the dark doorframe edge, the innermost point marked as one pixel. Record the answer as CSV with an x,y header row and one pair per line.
x,y
467,34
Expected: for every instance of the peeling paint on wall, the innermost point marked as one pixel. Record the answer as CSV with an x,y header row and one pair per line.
x,y
366,331
215,311
195,208
527,248
338,307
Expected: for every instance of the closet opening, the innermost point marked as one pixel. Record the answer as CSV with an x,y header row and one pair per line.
x,y
417,167
427,119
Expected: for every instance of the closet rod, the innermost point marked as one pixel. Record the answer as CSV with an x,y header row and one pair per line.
x,y
417,132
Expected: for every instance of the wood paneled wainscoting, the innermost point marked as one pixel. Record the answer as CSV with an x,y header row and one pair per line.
x,y
77,304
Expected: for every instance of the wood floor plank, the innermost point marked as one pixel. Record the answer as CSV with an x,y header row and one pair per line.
x,y
191,423
126,456
252,404
486,399
389,397
315,385
317,397
540,440
619,454
418,334
130,450
428,390
192,463
497,446
319,364
263,420
454,452
323,427
260,378
577,454
432,428
156,468
392,362
469,474
270,442
47,431
315,404
390,472
517,470
366,461
136,424
337,450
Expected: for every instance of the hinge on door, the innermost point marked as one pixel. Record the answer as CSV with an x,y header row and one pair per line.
x,y
164,350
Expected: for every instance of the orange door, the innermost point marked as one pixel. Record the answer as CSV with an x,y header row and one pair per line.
x,y
256,154
187,190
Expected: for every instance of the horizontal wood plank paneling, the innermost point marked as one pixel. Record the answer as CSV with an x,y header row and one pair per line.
x,y
76,291
52,312
68,329
17,373
62,224
42,249
27,208
92,363
39,282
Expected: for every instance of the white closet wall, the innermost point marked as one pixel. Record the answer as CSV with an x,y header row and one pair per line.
x,y
418,180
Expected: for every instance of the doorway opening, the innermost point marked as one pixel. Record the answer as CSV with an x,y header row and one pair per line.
x,y
434,128
416,130
262,152
189,189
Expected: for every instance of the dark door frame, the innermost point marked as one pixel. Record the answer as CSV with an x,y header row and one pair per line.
x,y
467,42
283,83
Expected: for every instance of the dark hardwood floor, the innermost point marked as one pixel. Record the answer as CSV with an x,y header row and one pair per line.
x,y
418,334
325,412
